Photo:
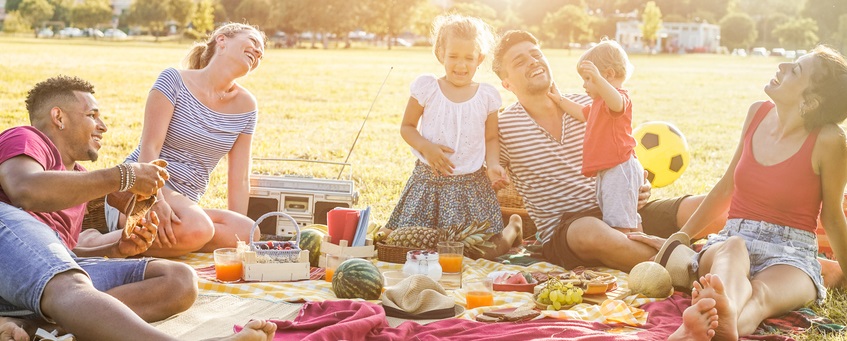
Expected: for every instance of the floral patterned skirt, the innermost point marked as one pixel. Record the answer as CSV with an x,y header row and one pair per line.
x,y
439,201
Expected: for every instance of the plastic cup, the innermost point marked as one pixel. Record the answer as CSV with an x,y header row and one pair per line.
x,y
479,292
341,224
228,266
450,256
332,263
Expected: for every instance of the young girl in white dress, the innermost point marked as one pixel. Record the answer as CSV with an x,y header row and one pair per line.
x,y
451,124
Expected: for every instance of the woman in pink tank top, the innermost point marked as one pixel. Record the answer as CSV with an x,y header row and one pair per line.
x,y
790,166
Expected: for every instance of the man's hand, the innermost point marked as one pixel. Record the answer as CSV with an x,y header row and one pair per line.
x,y
141,239
149,178
436,156
644,192
646,239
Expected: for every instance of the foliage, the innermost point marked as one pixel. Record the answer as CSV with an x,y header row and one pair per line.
x,y
738,30
767,24
566,24
799,33
826,13
840,39
203,19
181,11
151,14
487,14
421,20
12,5
254,12
61,10
14,23
651,22
91,13
533,12
35,11
389,17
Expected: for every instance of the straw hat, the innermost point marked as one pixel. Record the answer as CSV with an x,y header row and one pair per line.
x,y
677,256
418,297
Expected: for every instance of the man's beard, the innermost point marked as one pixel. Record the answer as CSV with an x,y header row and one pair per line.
x,y
92,155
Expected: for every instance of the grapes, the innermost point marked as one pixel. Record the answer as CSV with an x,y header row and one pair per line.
x,y
556,295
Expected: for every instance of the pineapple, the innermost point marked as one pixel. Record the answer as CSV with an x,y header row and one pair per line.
x,y
473,236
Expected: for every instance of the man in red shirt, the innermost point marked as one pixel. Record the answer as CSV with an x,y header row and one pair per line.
x,y
43,192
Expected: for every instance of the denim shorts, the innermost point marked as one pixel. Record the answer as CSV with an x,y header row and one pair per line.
x,y
31,254
771,244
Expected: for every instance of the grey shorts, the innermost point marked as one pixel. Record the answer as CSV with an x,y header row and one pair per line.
x,y
617,193
771,244
33,254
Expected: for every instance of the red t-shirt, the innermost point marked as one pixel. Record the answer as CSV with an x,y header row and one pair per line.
x,y
608,136
787,193
26,140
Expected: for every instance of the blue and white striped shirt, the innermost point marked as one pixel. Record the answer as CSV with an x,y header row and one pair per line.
x,y
197,136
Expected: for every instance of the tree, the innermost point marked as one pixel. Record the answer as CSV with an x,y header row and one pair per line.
x,y
566,24
840,39
14,23
61,10
651,23
35,11
422,17
12,5
826,13
798,33
254,12
151,14
91,13
203,19
390,17
487,14
767,24
533,12
738,30
181,11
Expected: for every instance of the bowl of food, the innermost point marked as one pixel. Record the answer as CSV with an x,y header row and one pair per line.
x,y
513,281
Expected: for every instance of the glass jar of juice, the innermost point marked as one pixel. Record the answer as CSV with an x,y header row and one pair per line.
x,y
423,263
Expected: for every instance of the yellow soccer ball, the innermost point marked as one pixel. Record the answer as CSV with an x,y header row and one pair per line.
x,y
662,150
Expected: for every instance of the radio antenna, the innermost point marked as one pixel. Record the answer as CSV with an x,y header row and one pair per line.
x,y
350,152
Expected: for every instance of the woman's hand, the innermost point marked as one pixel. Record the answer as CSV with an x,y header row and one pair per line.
x,y
436,156
166,233
141,239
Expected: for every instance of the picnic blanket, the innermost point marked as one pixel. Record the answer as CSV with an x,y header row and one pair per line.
x,y
631,314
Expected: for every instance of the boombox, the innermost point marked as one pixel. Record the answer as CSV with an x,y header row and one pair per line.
x,y
306,199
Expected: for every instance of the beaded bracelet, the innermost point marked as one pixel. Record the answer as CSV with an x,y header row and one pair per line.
x,y
122,187
130,176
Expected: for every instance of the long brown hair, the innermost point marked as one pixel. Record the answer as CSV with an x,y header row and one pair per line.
x,y
201,53
827,86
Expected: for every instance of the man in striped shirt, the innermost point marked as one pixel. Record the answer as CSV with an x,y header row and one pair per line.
x,y
542,147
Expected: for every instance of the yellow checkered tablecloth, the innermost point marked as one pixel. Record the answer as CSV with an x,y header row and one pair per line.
x,y
610,311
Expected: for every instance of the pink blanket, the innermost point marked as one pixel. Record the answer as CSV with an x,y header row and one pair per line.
x,y
354,320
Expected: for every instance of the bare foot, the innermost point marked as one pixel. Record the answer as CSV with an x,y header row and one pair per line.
x,y
12,330
699,322
255,330
511,236
711,286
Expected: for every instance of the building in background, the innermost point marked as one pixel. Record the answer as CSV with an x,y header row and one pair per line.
x,y
672,37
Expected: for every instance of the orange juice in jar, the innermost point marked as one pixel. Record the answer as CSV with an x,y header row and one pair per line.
x,y
479,299
328,274
229,272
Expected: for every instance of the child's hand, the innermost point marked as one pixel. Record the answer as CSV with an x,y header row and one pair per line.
x,y
436,157
589,70
497,175
555,95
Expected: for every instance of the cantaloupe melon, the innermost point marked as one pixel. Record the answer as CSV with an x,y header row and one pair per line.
x,y
650,279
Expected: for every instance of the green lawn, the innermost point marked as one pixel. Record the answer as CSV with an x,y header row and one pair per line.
x,y
312,103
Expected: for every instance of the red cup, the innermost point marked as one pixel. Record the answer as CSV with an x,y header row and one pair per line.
x,y
341,224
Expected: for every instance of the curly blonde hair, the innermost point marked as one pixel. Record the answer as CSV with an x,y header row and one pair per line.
x,y
463,27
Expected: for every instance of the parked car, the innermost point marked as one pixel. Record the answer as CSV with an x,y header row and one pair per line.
x,y
778,52
114,34
93,32
759,51
739,52
70,32
44,33
801,52
791,54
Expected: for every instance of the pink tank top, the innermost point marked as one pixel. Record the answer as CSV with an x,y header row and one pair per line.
x,y
787,193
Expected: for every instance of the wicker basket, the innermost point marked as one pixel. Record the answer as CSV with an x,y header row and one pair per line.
x,y
95,216
269,250
392,253
512,203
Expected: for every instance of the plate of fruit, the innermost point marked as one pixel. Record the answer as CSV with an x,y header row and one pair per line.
x,y
512,281
558,295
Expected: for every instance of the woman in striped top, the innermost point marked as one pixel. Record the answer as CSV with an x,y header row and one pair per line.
x,y
192,119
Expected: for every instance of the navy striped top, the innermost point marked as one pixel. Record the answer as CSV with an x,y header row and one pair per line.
x,y
197,136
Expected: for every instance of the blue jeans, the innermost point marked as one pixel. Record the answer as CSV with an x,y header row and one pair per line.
x,y
31,254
